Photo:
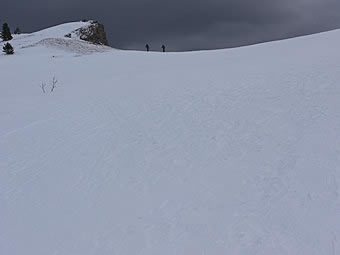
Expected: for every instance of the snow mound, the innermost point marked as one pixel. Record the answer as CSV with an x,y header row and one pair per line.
x,y
58,38
74,46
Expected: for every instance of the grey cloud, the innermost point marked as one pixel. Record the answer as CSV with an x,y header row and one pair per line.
x,y
181,24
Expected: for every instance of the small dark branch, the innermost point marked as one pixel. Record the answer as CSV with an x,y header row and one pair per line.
x,y
43,86
54,83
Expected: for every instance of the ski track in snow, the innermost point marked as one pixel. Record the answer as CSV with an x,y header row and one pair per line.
x,y
218,152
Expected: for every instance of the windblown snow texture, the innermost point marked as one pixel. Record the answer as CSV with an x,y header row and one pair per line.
x,y
215,152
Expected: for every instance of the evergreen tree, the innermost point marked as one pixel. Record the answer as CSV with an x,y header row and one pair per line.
x,y
17,31
6,33
8,49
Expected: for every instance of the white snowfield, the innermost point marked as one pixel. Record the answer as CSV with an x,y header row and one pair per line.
x,y
216,152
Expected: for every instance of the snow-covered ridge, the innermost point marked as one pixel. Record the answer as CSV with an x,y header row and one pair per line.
x,y
65,37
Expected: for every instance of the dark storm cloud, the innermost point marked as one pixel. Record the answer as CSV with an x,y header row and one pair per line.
x,y
181,24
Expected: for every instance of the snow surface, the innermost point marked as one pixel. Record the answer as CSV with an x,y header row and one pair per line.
x,y
215,152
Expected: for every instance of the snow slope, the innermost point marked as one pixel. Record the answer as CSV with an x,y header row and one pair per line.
x,y
215,152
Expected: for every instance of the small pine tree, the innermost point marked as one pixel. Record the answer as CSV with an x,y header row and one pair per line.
x,y
8,49
17,31
6,33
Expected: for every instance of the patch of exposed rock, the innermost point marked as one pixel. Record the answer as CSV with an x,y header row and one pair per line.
x,y
93,33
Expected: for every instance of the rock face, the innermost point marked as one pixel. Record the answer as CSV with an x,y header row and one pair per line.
x,y
93,33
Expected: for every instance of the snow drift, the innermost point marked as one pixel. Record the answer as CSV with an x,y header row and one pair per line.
x,y
218,152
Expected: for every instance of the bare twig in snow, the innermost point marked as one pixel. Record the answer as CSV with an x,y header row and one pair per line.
x,y
54,83
43,86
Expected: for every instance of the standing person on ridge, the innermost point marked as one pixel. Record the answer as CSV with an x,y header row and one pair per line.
x,y
147,47
163,48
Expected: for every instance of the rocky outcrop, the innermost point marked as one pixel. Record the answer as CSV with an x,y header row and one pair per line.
x,y
93,33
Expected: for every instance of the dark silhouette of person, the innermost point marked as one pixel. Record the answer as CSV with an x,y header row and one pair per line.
x,y
147,47
163,48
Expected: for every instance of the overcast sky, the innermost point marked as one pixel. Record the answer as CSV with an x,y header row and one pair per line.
x,y
180,24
